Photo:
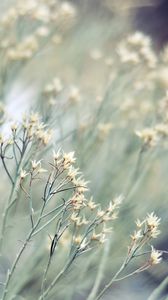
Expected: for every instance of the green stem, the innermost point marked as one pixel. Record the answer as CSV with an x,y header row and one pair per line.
x,y
99,276
5,214
159,291
115,277
107,286
11,272
47,223
56,279
136,172
6,170
44,278
10,201
137,175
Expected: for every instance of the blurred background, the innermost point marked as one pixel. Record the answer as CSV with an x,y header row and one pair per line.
x,y
107,86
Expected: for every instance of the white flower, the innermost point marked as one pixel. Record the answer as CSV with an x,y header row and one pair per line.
x,y
68,159
139,223
155,257
91,204
100,213
136,235
118,200
152,220
35,164
74,217
148,136
23,174
152,223
56,155
72,172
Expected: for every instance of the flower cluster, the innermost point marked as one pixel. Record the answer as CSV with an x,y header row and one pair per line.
x,y
152,136
87,219
79,220
97,221
146,231
35,130
23,50
24,140
48,19
53,88
137,49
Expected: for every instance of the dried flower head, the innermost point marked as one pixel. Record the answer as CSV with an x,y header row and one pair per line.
x,y
23,174
152,224
155,257
148,136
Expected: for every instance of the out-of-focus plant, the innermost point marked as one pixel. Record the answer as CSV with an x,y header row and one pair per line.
x,y
85,221
104,95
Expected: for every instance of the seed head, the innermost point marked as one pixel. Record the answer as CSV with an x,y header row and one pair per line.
x,y
23,174
156,256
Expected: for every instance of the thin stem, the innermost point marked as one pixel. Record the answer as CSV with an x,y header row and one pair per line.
x,y
5,214
132,273
115,277
57,278
63,190
159,291
135,172
11,272
10,202
99,276
77,251
107,286
53,210
46,224
45,277
14,152
58,236
137,176
6,170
